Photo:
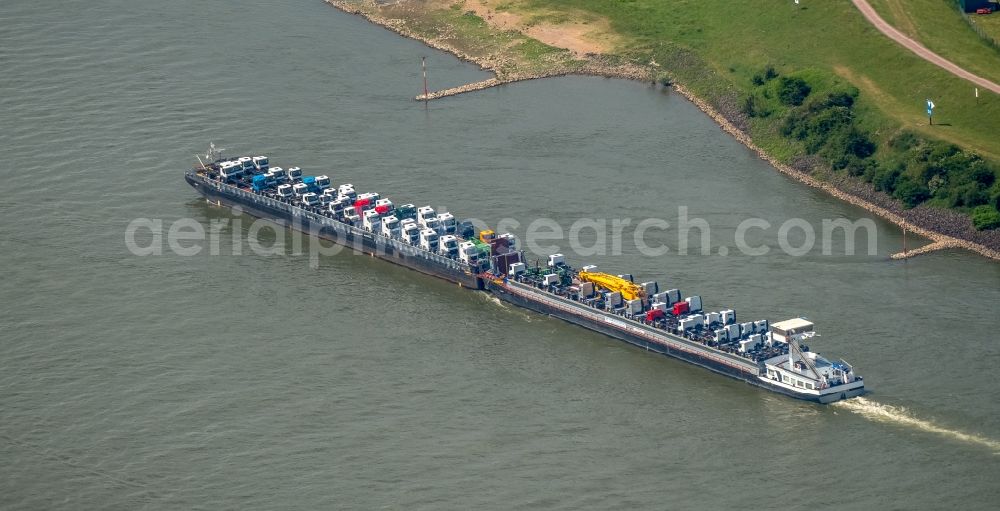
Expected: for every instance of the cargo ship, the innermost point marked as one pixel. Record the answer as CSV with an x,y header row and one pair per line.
x,y
769,355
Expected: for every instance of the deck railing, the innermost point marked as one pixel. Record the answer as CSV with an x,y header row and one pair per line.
x,y
314,218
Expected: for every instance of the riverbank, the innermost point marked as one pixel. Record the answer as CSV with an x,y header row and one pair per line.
x,y
507,58
512,57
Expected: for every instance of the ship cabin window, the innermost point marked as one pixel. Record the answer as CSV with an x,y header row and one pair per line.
x,y
784,378
809,386
798,383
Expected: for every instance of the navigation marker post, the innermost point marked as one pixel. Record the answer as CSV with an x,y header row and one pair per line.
x,y
904,240
423,67
930,111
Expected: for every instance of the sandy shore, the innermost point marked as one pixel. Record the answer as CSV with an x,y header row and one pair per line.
x,y
916,222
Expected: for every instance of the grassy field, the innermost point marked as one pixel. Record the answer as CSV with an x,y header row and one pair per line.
x,y
939,26
990,24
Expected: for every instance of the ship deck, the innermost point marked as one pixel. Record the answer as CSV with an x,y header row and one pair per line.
x,y
636,328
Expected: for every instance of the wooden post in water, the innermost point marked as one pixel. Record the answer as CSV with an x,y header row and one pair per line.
x,y
904,240
423,66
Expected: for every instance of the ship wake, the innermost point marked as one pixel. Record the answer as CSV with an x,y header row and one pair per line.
x,y
901,416
496,301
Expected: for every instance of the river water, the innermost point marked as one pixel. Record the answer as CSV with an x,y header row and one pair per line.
x,y
256,381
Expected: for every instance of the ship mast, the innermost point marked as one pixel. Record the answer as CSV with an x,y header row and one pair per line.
x,y
791,351
793,347
214,153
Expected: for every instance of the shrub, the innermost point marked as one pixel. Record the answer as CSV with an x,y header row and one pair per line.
x,y
973,195
983,175
967,195
904,141
885,179
843,98
858,144
985,217
755,107
815,125
792,91
911,193
770,73
935,183
764,76
858,167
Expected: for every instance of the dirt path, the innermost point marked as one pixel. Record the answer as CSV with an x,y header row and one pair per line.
x,y
873,17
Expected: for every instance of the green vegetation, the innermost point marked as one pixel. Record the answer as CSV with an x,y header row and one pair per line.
x,y
821,81
987,26
939,25
826,126
535,50
792,91
985,217
913,169
937,172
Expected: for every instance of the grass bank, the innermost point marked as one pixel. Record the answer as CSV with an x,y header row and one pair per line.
x,y
939,25
989,26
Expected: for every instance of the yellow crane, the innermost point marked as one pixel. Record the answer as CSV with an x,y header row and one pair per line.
x,y
629,290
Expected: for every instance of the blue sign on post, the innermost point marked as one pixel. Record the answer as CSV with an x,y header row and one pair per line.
x,y
930,111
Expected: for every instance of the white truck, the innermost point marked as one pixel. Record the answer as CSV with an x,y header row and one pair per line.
x,y
351,216
409,231
425,213
310,199
276,174
371,220
260,162
447,223
390,227
468,252
433,224
448,246
230,169
429,240
346,190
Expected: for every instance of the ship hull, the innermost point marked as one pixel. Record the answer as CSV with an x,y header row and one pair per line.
x,y
829,396
618,328
603,322
334,231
